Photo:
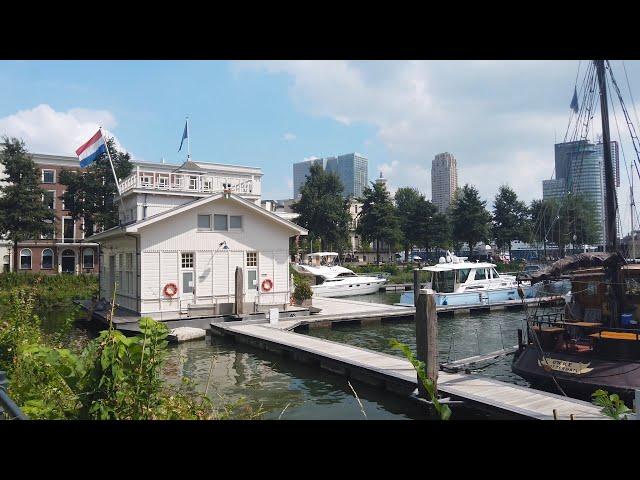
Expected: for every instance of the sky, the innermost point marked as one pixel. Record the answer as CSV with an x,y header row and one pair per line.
x,y
500,119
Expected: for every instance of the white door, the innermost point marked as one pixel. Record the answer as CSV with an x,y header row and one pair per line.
x,y
187,280
251,277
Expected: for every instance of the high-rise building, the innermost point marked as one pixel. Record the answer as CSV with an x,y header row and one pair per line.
x,y
580,170
300,173
351,168
444,180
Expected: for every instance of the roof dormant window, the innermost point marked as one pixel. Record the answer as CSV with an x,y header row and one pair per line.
x,y
204,222
48,176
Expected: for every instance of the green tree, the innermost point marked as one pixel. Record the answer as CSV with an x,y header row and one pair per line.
x,y
322,209
406,199
542,214
91,192
377,219
431,227
510,218
24,216
469,216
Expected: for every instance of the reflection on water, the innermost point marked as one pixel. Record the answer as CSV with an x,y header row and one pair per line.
x,y
286,388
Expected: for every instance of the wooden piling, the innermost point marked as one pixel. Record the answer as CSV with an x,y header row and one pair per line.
x,y
427,337
239,303
416,286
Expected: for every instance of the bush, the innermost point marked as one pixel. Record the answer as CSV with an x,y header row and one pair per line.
x,y
302,291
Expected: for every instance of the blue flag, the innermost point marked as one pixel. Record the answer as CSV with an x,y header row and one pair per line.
x,y
574,101
184,135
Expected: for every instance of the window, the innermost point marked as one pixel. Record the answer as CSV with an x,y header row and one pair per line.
x,y
68,229
49,199
25,259
48,176
463,274
252,279
187,260
220,222
87,258
47,259
163,182
480,274
146,180
204,222
235,221
51,234
252,259
6,263
193,183
207,184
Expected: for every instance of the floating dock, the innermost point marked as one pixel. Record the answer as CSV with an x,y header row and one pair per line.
x,y
397,375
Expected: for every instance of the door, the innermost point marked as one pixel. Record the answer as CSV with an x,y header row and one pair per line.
x,y
68,230
187,280
251,277
68,261
112,276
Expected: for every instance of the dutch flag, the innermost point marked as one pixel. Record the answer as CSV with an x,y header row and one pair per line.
x,y
91,150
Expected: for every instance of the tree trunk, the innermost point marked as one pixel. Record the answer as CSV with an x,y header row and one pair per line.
x,y
378,251
406,254
15,256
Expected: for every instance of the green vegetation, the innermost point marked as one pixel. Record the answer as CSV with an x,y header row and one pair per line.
x,y
90,192
377,221
24,215
110,377
49,290
510,218
443,411
302,291
469,217
612,405
322,209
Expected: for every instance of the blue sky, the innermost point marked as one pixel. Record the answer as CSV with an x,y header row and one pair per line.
x,y
499,118
238,117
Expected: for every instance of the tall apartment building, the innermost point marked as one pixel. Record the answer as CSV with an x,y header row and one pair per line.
x,y
444,180
351,168
580,170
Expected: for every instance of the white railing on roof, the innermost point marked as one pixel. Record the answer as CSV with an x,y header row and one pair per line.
x,y
189,182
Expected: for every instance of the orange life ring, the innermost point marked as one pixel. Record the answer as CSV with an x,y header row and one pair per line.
x,y
170,289
267,285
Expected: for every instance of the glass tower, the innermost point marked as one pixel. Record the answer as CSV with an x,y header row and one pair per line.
x,y
351,168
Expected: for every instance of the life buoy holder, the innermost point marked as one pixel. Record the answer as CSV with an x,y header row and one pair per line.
x,y
170,289
267,285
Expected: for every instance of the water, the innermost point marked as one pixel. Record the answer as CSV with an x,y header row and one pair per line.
x,y
459,336
289,390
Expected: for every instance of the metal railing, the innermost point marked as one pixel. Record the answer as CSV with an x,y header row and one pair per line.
x,y
185,182
8,408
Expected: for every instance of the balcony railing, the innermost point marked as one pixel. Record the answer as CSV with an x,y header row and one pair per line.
x,y
192,183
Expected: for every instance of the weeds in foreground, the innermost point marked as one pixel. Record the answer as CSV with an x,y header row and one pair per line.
x,y
443,411
612,405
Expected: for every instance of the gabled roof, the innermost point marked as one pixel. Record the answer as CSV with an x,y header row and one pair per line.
x,y
136,226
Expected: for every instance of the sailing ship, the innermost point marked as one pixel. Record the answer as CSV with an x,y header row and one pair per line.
x,y
595,342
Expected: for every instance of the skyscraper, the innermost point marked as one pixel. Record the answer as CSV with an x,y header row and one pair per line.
x,y
351,168
580,170
444,180
300,172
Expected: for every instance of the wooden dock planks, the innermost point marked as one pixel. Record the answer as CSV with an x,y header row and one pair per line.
x,y
485,391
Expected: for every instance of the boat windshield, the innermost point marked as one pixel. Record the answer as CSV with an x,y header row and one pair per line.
x,y
346,274
443,282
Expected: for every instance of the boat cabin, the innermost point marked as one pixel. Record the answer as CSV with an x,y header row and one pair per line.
x,y
464,276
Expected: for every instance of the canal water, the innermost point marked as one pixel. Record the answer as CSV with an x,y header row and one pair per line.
x,y
286,389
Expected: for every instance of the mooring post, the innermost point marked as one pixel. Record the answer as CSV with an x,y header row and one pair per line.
x,y
416,286
238,291
427,336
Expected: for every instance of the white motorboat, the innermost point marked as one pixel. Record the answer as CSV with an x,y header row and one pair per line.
x,y
459,282
331,280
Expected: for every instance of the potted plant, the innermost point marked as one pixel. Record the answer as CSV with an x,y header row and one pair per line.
x,y
302,294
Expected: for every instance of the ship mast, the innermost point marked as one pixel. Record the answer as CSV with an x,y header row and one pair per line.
x,y
611,244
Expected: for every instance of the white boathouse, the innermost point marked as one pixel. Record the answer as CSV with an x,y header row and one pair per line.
x,y
183,232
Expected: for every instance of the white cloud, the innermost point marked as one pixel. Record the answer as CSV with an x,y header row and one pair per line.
x,y
289,136
45,130
499,118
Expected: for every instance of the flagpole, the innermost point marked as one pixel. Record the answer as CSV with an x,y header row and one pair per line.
x,y
106,146
188,141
